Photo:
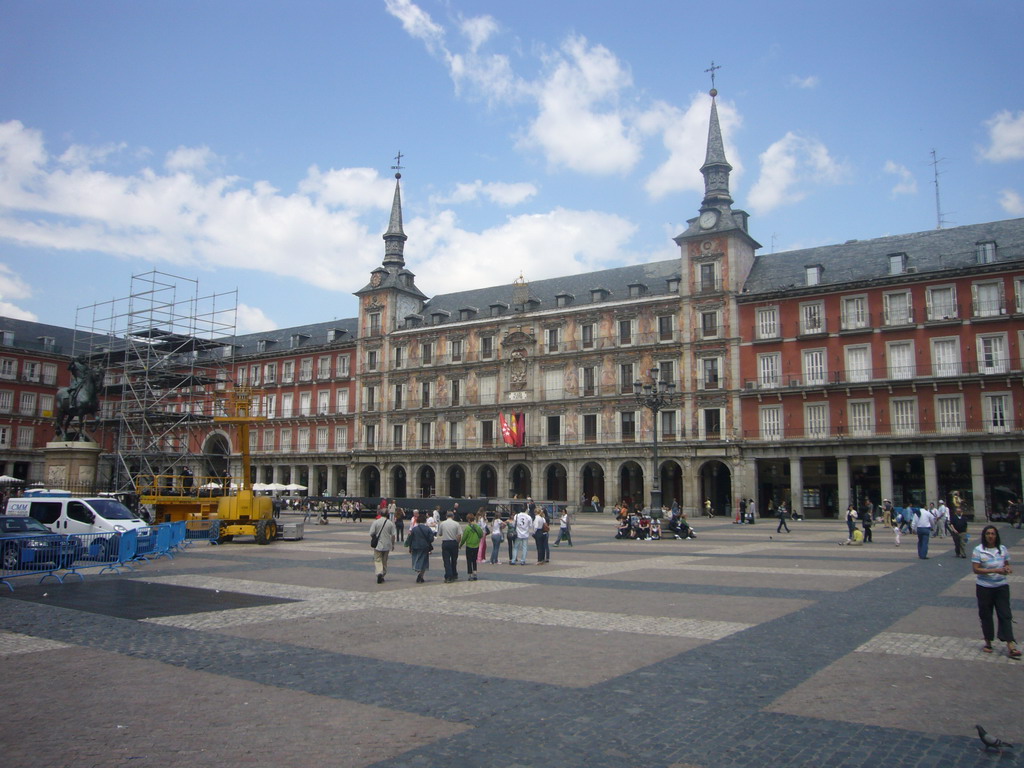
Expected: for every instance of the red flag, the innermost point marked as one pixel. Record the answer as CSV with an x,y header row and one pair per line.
x,y
520,430
506,430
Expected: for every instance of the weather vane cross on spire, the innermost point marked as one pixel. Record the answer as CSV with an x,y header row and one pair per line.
x,y
712,70
398,162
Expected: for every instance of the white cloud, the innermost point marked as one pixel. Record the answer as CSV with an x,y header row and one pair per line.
x,y
12,289
1012,202
417,23
478,30
1006,137
501,193
789,168
252,320
561,242
580,124
811,81
907,184
360,188
685,137
190,159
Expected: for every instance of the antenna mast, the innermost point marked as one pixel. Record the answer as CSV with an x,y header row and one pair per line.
x,y
939,218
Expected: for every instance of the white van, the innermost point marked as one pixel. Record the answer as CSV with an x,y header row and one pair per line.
x,y
65,514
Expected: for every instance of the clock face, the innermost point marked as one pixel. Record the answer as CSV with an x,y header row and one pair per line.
x,y
708,219
375,279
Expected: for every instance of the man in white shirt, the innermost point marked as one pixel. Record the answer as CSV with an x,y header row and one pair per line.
x,y
925,523
523,525
943,513
451,534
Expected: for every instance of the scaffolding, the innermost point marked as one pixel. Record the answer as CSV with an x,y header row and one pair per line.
x,y
166,353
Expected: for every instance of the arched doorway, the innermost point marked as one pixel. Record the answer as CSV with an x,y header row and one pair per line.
x,y
488,481
631,484
555,485
716,485
593,483
427,481
456,482
520,482
371,481
398,482
671,483
217,453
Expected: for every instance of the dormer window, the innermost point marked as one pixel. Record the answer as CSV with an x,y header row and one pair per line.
x,y
498,308
563,299
532,304
440,316
673,284
812,273
8,338
636,290
986,252
467,313
261,345
598,294
48,343
297,340
335,334
897,263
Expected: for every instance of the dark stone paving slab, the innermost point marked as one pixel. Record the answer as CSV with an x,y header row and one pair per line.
x,y
135,599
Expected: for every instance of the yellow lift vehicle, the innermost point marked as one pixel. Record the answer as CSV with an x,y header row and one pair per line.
x,y
244,513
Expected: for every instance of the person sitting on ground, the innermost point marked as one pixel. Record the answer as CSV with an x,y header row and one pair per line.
x,y
643,528
623,528
656,529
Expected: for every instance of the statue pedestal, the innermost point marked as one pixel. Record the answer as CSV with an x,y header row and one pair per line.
x,y
71,465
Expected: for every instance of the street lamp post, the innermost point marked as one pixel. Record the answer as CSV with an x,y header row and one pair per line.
x,y
655,397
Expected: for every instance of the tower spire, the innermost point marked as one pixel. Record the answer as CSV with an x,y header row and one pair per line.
x,y
395,237
716,168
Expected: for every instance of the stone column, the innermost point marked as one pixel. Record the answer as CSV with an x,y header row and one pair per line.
x,y
885,480
931,479
843,483
978,486
332,480
796,485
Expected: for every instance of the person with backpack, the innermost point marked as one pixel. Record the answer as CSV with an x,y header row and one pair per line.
x,y
382,540
471,538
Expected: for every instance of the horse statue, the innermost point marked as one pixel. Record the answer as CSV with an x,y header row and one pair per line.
x,y
79,399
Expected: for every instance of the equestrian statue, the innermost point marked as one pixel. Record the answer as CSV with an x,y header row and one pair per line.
x,y
79,399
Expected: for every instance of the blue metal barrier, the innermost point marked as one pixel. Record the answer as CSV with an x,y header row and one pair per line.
x,y
196,530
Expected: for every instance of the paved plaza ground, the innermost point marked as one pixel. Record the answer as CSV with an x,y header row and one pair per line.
x,y
743,647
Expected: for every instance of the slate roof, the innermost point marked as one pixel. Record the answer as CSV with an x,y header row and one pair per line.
x,y
860,261
279,340
28,335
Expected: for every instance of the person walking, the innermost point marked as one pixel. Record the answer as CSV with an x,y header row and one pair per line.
x,y
451,539
541,527
868,520
523,526
990,562
782,514
564,529
472,536
925,523
708,511
400,523
958,532
382,539
420,542
595,502
496,526
851,521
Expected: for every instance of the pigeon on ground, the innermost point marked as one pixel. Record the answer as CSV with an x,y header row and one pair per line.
x,y
991,742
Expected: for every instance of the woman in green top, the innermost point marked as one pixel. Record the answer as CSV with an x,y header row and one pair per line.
x,y
471,536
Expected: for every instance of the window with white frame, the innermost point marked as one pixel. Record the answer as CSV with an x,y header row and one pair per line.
x,y
27,404
5,437
816,420
709,277
8,368
946,357
625,332
425,432
268,440
858,363
1018,287
427,353
812,317
6,401
897,263
342,365
323,402
554,430
341,397
997,412
455,350
371,360
252,441
242,376
270,373
270,406
896,308
46,405
666,327
287,371
626,378
49,373
771,422
709,324
588,381
286,441
487,432
486,347
710,423
322,435
589,427
455,391
370,398
709,373
487,386
398,357
397,435
667,371
398,397
374,319
425,389
668,424
814,366
454,434
553,383
306,369
627,424
31,370
302,442
901,359
769,369
323,367
370,435
812,274
854,313
768,323
942,302
992,354
26,436
587,336
551,336
341,438
861,417
988,299
305,403
949,414
903,412
986,252
255,375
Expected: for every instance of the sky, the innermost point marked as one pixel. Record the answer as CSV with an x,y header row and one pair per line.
x,y
248,145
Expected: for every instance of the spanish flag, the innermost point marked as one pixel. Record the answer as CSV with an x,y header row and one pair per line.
x,y
513,429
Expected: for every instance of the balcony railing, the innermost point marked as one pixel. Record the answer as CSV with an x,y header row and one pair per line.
x,y
901,431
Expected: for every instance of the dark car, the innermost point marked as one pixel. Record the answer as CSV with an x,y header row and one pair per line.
x,y
25,544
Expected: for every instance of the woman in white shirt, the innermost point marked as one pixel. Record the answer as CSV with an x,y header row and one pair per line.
x,y
991,565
